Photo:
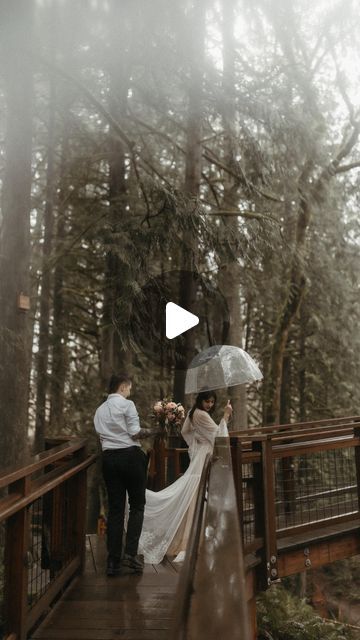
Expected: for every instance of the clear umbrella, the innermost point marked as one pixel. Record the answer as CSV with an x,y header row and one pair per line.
x,y
220,366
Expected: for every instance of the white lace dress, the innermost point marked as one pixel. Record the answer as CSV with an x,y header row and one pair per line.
x,y
168,513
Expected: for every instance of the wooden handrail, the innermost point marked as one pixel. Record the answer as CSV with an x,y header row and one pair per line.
x,y
45,501
325,444
293,425
13,503
186,581
211,600
40,461
306,438
246,436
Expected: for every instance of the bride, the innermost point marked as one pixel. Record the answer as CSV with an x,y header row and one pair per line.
x,y
169,513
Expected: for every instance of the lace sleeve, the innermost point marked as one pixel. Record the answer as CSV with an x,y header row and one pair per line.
x,y
205,427
222,430
187,431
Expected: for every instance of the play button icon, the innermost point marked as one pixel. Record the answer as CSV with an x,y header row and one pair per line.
x,y
178,320
152,326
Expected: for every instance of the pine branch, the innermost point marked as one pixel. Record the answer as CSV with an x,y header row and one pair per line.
x,y
208,155
106,114
229,213
347,167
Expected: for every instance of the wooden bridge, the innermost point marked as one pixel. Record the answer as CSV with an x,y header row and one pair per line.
x,y
273,502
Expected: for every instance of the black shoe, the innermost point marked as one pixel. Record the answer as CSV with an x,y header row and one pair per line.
x,y
113,567
132,564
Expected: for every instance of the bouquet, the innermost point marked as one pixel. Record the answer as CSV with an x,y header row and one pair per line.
x,y
169,415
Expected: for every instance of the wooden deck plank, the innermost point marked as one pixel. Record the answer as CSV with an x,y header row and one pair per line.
x,y
117,622
96,607
96,555
104,634
175,566
317,534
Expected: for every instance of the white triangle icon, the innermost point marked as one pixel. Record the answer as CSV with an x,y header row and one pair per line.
x,y
178,320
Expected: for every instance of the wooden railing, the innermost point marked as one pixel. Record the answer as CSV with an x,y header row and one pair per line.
x,y
42,512
294,482
211,600
273,490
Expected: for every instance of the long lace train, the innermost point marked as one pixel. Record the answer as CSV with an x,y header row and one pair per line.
x,y
168,513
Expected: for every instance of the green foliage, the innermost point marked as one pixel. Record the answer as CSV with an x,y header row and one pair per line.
x,y
282,616
342,578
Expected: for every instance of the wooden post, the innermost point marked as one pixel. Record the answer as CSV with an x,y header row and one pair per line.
x,y
269,511
78,504
236,459
265,513
357,463
16,569
259,514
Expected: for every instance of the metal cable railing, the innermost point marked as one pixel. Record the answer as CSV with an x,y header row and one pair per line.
x,y
292,483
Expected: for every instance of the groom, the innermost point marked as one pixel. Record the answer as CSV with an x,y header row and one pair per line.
x,y
124,467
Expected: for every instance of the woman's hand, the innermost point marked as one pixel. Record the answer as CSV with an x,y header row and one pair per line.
x,y
228,411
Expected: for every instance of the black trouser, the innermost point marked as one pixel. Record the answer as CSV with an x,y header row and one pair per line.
x,y
124,470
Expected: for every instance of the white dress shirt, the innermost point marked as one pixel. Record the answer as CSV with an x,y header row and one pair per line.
x,y
116,420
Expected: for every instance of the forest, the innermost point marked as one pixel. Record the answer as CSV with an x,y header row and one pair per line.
x,y
215,141
205,151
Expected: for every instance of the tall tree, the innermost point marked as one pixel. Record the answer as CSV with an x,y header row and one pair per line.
x,y
46,280
230,271
313,183
193,166
16,19
114,356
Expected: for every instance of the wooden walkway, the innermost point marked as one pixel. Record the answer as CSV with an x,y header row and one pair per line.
x,y
96,607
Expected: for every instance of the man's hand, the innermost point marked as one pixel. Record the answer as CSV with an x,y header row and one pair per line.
x,y
145,433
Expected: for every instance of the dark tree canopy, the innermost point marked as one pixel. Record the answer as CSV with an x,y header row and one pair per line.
x,y
140,138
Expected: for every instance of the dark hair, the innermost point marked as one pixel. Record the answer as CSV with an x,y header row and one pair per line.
x,y
203,395
117,379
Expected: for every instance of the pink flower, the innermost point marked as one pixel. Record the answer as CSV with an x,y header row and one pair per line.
x,y
170,406
158,408
171,417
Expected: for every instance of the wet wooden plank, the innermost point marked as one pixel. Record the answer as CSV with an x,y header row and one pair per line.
x,y
121,589
146,579
170,564
106,634
116,622
96,555
97,607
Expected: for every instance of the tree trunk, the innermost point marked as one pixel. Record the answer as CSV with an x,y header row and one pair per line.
x,y
302,372
15,331
285,396
295,292
45,296
193,155
59,330
114,357
230,273
312,192
287,464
